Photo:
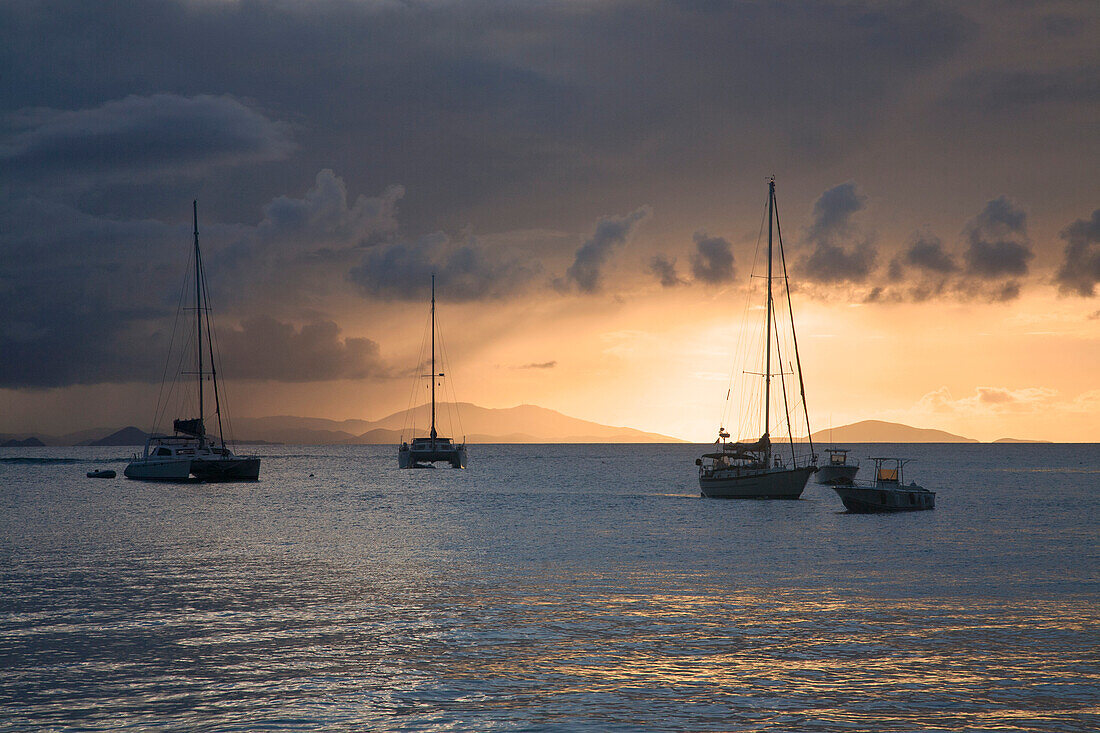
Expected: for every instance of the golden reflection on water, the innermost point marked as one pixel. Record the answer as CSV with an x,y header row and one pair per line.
x,y
838,660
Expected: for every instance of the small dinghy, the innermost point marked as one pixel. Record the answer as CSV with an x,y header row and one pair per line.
x,y
101,474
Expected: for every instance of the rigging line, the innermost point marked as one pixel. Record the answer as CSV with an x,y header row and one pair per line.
x,y
794,333
210,347
783,387
446,359
410,408
171,345
741,339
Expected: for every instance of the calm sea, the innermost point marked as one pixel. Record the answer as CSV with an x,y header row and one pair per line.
x,y
547,588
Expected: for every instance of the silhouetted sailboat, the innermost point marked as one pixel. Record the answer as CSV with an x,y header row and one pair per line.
x,y
425,451
192,454
756,469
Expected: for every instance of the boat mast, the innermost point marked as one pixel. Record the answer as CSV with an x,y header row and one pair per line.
x,y
768,329
198,312
433,433
213,363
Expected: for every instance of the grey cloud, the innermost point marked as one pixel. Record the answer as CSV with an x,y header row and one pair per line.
x,y
464,271
161,134
106,289
829,263
665,271
267,349
934,267
833,212
324,214
611,233
712,262
841,253
997,241
1080,270
927,253
540,365
464,102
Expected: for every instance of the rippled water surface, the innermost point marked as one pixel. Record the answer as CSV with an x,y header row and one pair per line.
x,y
547,587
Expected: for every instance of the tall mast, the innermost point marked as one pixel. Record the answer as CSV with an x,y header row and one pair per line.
x,y
198,310
433,358
768,357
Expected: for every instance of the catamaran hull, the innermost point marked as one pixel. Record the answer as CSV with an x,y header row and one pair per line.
x,y
782,483
420,458
866,500
227,469
142,470
836,474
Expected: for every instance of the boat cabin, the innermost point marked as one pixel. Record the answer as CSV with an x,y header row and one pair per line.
x,y
888,471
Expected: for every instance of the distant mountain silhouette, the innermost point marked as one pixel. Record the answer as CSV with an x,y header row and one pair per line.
x,y
1020,440
31,442
522,424
878,431
126,436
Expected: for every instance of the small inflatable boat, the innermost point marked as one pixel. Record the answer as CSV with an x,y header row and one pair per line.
x,y
101,474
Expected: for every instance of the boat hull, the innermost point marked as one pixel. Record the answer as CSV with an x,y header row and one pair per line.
x,y
409,458
226,469
836,474
771,483
868,500
153,470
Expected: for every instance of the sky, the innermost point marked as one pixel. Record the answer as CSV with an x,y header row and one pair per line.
x,y
586,180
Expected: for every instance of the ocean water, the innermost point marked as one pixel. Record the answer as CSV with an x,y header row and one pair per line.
x,y
547,588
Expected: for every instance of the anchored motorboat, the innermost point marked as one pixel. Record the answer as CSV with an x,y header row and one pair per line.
x,y
838,469
888,492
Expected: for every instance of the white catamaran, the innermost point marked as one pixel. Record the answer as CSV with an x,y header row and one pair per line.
x,y
190,454
758,469
425,451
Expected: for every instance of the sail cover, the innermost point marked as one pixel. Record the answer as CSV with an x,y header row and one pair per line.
x,y
190,427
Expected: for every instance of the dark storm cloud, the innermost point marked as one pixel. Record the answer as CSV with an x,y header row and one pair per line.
x,y
89,299
712,262
466,101
664,269
841,252
264,348
464,271
157,135
1080,270
997,241
611,233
